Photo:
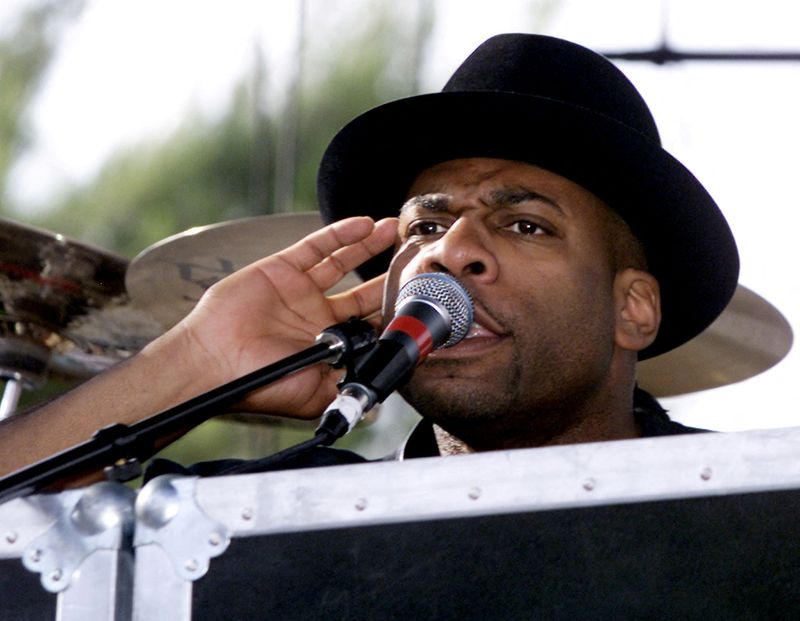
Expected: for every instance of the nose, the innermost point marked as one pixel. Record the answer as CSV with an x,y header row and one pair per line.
x,y
465,250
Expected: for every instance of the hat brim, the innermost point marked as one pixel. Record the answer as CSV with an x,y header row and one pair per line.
x,y
371,163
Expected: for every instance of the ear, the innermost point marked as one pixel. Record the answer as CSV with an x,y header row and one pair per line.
x,y
638,305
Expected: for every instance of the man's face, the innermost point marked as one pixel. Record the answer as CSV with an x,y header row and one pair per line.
x,y
533,249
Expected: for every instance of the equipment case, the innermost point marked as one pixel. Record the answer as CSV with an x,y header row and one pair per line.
x,y
698,526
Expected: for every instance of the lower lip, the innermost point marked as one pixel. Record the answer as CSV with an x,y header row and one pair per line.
x,y
467,347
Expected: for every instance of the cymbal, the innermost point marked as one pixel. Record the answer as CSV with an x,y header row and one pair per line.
x,y
49,285
50,278
749,337
103,337
168,278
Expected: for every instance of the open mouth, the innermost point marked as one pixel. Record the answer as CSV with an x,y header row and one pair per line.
x,y
478,340
476,330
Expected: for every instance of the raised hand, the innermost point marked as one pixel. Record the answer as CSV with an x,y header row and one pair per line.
x,y
277,306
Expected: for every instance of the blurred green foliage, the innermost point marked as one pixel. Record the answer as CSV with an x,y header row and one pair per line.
x,y
216,169
198,175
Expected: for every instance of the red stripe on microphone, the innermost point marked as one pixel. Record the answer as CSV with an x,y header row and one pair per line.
x,y
417,330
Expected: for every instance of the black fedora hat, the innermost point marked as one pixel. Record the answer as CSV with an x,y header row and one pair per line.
x,y
564,108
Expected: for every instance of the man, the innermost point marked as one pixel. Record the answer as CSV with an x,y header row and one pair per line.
x,y
537,178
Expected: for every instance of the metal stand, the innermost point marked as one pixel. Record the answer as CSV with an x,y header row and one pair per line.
x,y
11,394
123,446
23,366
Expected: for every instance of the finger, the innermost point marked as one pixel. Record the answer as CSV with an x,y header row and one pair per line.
x,y
375,320
332,269
319,245
361,301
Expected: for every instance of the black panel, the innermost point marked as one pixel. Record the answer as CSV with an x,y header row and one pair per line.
x,y
22,597
732,557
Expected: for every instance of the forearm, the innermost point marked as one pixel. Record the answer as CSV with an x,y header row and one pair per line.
x,y
154,380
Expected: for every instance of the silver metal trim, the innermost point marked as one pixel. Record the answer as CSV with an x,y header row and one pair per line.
x,y
505,482
168,516
100,517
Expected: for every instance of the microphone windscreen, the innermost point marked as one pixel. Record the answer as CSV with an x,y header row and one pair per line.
x,y
448,294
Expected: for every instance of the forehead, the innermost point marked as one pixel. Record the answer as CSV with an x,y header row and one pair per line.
x,y
483,178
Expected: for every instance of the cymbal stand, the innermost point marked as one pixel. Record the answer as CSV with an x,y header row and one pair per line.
x,y
12,391
23,365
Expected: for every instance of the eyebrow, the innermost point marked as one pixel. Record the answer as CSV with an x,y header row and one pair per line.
x,y
430,202
521,195
440,202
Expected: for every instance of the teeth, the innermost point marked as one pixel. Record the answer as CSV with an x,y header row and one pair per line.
x,y
477,329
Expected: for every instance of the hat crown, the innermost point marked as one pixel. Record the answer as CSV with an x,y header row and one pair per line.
x,y
541,66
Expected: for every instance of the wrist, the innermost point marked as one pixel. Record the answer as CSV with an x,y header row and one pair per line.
x,y
178,368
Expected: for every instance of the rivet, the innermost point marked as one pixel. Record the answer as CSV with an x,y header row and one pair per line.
x,y
361,504
475,493
214,539
706,473
191,565
11,537
247,514
56,575
35,555
589,484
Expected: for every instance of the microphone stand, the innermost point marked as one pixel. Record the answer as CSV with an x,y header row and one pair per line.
x,y
125,445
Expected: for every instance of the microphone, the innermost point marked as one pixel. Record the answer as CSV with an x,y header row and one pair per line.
x,y
431,311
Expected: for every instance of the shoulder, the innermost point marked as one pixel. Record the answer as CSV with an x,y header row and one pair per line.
x,y
653,419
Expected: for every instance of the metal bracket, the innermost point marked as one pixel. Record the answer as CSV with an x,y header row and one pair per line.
x,y
168,516
99,519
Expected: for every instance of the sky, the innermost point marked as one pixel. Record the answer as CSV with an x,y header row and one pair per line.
x,y
131,70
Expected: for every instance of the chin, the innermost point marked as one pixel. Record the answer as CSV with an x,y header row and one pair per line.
x,y
455,399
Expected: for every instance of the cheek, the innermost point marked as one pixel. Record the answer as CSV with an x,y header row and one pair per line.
x,y
593,310
571,297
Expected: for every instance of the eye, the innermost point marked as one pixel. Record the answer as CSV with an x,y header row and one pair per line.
x,y
423,228
527,227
